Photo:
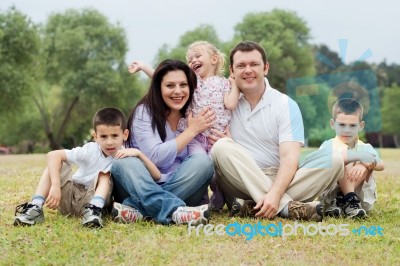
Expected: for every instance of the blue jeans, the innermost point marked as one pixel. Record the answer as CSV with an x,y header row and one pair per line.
x,y
135,187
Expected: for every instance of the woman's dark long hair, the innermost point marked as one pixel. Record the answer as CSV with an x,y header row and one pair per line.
x,y
153,100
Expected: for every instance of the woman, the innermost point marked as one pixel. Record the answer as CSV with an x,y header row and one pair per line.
x,y
184,176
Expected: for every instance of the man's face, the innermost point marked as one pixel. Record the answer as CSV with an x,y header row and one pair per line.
x,y
347,128
249,71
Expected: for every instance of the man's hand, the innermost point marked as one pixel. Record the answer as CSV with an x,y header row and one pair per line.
x,y
216,135
268,205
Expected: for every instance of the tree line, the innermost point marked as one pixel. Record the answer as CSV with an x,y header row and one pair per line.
x,y
54,76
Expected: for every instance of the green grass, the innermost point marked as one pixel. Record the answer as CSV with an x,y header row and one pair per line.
x,y
62,240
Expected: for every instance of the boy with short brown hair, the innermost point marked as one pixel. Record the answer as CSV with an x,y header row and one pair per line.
x,y
87,191
356,191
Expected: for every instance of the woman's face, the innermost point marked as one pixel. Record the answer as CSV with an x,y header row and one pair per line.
x,y
175,89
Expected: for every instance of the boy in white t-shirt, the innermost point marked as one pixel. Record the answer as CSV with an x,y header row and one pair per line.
x,y
87,191
355,193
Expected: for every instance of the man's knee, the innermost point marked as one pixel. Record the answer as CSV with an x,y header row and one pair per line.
x,y
220,147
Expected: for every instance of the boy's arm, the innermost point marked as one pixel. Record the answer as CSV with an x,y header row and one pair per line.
x,y
380,166
136,66
368,159
54,164
151,167
231,98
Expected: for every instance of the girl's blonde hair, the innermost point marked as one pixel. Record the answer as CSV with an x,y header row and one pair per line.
x,y
211,50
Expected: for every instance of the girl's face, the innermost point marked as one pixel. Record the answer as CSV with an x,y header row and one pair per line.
x,y
202,63
175,90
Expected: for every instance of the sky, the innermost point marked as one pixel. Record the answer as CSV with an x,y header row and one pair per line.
x,y
370,27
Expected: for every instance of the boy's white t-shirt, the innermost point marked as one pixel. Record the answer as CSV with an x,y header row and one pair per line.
x,y
90,160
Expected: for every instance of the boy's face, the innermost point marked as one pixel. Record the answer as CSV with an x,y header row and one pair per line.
x,y
110,138
347,128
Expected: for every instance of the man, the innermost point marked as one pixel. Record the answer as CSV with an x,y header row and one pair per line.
x,y
260,158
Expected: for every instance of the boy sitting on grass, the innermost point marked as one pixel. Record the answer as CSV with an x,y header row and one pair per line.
x,y
356,191
87,191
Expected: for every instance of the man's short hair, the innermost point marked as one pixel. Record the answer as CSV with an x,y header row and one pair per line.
x,y
109,116
248,46
347,106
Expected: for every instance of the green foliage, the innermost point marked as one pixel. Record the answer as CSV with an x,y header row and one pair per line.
x,y
326,60
19,48
284,37
201,33
55,76
316,115
388,74
23,128
69,68
391,111
83,59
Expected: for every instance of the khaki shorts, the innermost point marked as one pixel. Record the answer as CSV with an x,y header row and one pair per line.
x,y
74,196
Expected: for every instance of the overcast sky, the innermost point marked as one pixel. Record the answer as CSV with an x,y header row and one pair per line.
x,y
368,24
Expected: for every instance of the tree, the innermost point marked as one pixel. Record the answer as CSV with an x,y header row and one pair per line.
x,y
389,74
19,49
284,37
83,66
326,61
390,110
202,32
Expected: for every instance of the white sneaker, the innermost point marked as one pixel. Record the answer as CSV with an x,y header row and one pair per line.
x,y
28,214
193,215
125,214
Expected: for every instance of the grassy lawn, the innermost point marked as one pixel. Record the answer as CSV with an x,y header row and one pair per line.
x,y
62,240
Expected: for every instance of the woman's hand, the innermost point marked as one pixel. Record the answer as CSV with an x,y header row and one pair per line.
x,y
202,121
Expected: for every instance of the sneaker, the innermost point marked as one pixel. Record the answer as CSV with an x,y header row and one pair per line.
x,y
124,214
244,210
92,216
352,206
235,208
28,214
213,208
334,208
303,211
193,215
